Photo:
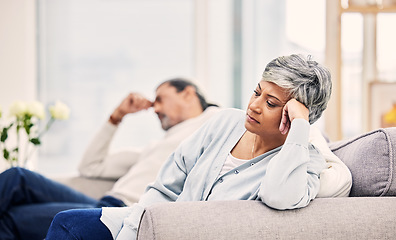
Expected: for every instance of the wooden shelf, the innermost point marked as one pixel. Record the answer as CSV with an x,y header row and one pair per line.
x,y
369,9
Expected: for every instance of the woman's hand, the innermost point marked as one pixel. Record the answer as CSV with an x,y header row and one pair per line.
x,y
293,109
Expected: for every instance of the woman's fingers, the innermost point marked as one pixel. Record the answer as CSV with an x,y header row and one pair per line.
x,y
293,109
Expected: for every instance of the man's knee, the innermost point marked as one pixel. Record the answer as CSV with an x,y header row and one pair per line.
x,y
13,172
13,176
16,173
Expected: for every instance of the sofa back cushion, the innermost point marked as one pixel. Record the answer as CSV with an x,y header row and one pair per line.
x,y
371,160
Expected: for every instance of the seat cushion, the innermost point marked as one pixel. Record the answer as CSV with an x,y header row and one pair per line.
x,y
371,160
93,187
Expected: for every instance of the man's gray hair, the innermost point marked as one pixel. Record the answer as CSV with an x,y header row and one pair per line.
x,y
304,79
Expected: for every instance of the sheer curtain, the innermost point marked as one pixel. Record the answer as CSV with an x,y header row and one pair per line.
x,y
92,53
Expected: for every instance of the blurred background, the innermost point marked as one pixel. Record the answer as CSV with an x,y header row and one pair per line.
x,y
91,53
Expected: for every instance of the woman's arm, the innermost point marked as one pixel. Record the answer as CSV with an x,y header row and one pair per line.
x,y
292,177
335,179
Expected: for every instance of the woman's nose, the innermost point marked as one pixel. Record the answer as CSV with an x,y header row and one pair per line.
x,y
256,105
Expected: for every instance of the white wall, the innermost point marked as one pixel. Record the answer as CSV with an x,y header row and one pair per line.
x,y
17,52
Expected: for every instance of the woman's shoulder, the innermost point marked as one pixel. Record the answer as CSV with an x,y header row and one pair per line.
x,y
228,117
230,112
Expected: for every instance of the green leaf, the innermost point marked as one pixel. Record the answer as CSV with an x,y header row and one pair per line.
x,y
6,154
4,135
27,126
35,141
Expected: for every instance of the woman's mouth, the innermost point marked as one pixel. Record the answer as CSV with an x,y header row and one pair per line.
x,y
251,119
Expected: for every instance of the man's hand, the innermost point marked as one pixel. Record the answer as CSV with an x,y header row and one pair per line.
x,y
292,110
134,102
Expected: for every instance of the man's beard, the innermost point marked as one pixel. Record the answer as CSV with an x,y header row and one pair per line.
x,y
165,121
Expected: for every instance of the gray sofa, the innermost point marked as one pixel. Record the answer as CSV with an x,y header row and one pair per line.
x,y
369,212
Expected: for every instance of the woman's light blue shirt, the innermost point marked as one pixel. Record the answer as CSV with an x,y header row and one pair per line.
x,y
286,177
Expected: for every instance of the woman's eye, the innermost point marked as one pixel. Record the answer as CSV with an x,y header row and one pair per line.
x,y
256,93
271,105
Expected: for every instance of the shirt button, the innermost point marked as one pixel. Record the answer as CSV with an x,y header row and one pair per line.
x,y
220,180
236,171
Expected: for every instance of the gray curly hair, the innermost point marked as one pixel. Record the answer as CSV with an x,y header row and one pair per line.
x,y
304,79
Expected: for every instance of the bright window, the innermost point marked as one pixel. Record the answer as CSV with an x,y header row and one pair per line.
x,y
279,27
386,47
352,84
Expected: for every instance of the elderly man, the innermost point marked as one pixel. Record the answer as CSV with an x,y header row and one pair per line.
x,y
29,201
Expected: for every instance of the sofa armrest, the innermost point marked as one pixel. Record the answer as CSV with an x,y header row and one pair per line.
x,y
324,218
93,187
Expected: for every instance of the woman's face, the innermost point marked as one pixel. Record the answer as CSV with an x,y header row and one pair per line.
x,y
264,111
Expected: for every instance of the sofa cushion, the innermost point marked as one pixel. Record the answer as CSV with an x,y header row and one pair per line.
x,y
93,187
371,160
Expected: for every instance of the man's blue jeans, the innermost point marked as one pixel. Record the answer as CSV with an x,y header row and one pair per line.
x,y
29,202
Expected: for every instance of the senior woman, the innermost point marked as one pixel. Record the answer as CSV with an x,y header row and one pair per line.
x,y
260,154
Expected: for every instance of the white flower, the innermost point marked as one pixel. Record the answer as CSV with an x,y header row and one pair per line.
x,y
18,109
36,109
59,110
